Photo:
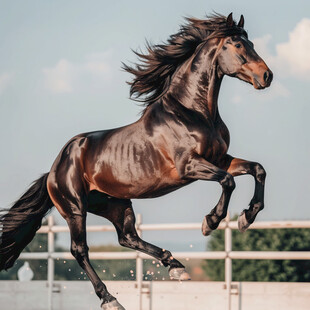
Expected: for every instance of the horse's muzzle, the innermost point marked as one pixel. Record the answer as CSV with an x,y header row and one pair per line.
x,y
263,81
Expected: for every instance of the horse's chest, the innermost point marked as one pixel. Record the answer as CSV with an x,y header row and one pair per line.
x,y
216,146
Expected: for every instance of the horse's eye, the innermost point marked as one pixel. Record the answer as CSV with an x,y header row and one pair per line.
x,y
238,45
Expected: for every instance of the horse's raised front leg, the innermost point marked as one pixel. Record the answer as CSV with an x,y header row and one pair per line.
x,y
197,168
121,214
236,167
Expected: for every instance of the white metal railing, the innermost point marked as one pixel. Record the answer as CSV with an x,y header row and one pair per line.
x,y
228,255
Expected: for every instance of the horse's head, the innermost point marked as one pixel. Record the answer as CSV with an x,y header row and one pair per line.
x,y
236,57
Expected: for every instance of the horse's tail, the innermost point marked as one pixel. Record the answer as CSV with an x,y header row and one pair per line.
x,y
18,225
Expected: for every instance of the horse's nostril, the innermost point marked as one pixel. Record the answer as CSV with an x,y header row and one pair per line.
x,y
268,77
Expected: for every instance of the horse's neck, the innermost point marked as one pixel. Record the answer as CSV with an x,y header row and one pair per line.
x,y
196,85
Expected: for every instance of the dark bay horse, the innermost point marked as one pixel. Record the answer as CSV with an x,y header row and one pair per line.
x,y
179,139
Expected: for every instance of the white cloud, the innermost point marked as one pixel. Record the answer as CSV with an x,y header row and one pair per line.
x,y
295,53
5,79
59,79
292,58
67,77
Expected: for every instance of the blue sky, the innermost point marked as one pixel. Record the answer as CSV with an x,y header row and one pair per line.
x,y
60,75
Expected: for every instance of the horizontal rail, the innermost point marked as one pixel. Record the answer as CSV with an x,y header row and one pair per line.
x,y
291,255
186,226
270,224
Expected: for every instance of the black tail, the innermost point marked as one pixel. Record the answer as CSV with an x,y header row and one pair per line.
x,y
19,224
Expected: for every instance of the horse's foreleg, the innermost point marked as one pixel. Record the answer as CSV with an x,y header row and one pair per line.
x,y
198,168
121,214
236,167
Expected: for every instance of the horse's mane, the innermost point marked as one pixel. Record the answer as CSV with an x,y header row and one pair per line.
x,y
152,76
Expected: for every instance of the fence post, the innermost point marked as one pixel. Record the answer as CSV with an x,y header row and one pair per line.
x,y
139,263
50,261
228,263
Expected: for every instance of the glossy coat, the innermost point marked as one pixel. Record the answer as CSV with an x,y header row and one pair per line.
x,y
180,138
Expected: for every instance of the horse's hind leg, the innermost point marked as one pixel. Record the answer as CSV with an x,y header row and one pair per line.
x,y
121,214
73,209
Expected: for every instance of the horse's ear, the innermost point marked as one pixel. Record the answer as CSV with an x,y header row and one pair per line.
x,y
241,22
229,20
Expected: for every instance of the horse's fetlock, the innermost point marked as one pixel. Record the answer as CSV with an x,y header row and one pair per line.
x,y
212,220
166,255
256,205
259,206
166,258
106,297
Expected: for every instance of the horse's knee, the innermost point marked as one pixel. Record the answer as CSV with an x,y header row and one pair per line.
x,y
260,173
228,182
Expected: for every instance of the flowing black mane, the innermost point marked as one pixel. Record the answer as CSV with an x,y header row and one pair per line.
x,y
153,75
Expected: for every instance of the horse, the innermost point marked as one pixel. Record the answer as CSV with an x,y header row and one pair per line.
x,y
180,138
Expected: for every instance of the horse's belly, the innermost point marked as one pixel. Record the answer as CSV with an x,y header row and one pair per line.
x,y
136,184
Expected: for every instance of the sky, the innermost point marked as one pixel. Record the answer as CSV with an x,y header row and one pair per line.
x,y
60,75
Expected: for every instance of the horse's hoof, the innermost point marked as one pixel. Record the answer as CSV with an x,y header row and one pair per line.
x,y
205,228
243,223
112,305
179,274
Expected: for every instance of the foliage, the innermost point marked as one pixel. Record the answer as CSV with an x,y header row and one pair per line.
x,y
262,270
38,244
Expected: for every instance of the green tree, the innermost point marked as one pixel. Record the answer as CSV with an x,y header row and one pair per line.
x,y
262,270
